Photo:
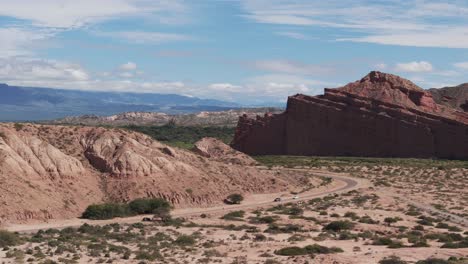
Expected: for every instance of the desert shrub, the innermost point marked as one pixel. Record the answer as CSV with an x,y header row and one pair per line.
x,y
460,244
307,250
338,226
391,220
234,198
346,235
368,220
185,240
433,261
263,220
392,260
442,226
234,216
151,256
294,211
291,251
289,228
18,126
106,211
156,206
351,215
386,241
260,237
8,239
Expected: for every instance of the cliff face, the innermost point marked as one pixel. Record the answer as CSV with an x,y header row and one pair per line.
x,y
57,171
382,115
455,97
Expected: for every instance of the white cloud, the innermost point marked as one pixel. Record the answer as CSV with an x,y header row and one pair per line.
x,y
16,41
143,37
381,66
415,66
41,70
291,67
126,75
462,65
290,34
73,14
419,23
129,66
225,87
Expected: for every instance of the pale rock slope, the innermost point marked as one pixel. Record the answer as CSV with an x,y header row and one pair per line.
x,y
57,171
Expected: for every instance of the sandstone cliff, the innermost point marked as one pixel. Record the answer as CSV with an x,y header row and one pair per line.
x,y
381,115
56,171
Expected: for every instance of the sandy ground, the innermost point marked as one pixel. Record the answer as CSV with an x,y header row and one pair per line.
x,y
341,183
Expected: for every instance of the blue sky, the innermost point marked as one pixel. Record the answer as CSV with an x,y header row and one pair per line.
x,y
250,51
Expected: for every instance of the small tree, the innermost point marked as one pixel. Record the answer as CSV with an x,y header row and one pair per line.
x,y
390,220
235,198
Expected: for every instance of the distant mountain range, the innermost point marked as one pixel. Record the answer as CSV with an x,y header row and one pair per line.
x,y
32,103
227,118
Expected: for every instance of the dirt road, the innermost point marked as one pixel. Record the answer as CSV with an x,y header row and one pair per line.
x,y
340,184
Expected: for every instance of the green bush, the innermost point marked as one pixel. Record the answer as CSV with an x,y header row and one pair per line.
x,y
392,260
185,240
8,239
157,206
307,250
235,198
433,261
234,216
106,211
338,226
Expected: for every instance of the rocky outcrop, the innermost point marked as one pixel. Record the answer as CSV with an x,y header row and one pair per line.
x,y
381,115
455,97
217,150
57,171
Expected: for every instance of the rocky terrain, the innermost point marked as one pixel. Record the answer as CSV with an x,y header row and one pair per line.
x,y
456,97
401,211
57,171
212,118
381,115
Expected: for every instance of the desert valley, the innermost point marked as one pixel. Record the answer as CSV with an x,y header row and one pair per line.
x,y
294,206
234,132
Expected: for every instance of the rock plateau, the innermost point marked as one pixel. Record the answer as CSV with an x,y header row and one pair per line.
x,y
381,115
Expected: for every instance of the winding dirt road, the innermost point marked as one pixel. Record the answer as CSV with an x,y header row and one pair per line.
x,y
340,184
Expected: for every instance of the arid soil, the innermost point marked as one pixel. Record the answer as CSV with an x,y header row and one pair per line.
x,y
354,214
50,172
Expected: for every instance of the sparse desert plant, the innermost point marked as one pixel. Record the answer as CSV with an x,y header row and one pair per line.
x,y
18,126
106,211
149,206
391,220
8,239
392,260
338,226
433,261
234,216
307,250
185,241
234,198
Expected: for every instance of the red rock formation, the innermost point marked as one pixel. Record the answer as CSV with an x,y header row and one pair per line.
x,y
382,115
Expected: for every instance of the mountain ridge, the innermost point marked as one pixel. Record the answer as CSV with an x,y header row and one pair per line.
x,y
32,103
